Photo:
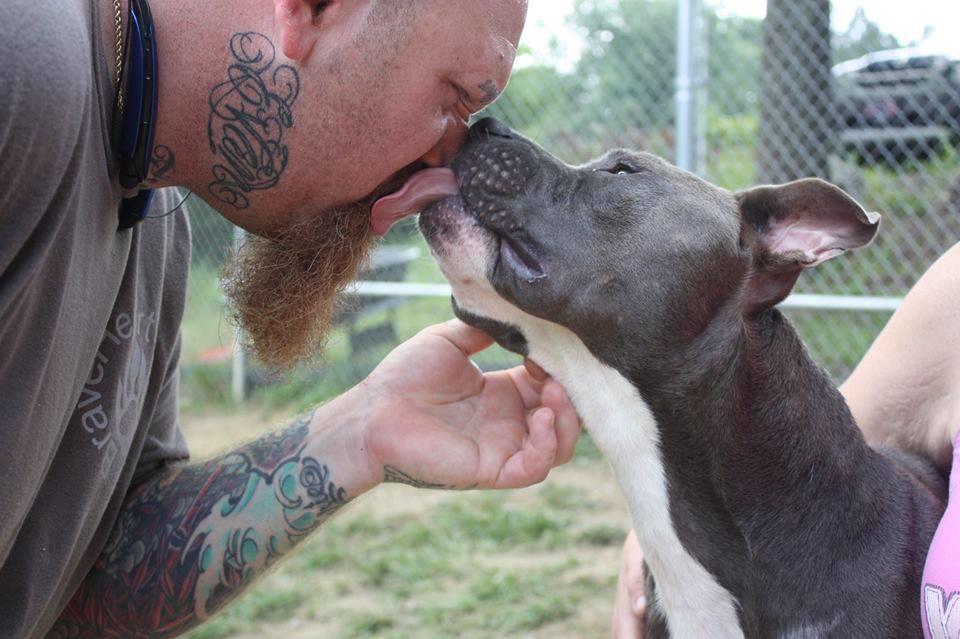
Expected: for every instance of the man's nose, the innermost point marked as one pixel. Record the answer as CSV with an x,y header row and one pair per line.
x,y
447,146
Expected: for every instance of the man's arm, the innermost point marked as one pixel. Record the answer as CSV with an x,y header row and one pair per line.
x,y
190,539
906,390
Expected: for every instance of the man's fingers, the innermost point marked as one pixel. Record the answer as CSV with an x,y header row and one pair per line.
x,y
468,339
534,369
633,565
624,623
567,420
530,464
631,602
530,389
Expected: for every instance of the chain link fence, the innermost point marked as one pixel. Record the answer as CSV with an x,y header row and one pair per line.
x,y
739,100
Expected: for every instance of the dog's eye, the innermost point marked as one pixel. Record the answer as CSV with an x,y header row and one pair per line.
x,y
621,169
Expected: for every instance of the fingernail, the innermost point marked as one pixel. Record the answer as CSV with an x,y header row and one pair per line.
x,y
640,604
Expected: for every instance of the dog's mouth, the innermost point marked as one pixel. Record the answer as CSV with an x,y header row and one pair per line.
x,y
421,190
439,190
518,257
508,249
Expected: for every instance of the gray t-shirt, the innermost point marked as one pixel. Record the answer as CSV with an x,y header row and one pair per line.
x,y
89,316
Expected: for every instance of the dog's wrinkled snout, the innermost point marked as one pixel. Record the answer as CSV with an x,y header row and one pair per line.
x,y
494,167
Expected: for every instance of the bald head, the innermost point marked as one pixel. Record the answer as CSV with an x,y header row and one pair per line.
x,y
384,87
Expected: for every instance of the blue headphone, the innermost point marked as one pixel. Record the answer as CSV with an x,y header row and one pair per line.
x,y
140,112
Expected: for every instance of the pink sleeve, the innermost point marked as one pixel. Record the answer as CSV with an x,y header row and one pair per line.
x,y
940,599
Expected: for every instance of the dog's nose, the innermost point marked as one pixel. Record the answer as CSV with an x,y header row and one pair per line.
x,y
491,126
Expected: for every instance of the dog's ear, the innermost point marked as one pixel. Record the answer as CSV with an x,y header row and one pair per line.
x,y
797,226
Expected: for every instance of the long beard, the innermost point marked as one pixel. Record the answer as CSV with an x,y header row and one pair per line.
x,y
284,290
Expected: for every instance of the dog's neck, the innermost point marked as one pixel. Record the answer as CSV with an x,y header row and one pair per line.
x,y
761,452
770,421
713,474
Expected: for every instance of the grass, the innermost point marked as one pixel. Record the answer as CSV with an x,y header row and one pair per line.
x,y
838,340
601,536
369,625
408,563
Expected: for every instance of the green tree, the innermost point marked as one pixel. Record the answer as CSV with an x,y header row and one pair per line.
x,y
862,36
734,54
621,89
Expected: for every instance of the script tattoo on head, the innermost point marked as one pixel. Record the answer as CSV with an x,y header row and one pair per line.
x,y
249,113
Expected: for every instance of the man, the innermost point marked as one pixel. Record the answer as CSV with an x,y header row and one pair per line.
x,y
290,117
905,393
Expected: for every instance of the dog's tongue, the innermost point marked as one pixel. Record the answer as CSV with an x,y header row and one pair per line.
x,y
421,190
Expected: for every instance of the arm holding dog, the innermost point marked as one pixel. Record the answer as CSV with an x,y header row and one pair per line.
x,y
906,391
195,536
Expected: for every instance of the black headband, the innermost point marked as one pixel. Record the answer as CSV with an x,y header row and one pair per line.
x,y
140,112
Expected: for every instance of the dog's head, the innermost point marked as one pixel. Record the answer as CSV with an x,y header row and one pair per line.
x,y
627,252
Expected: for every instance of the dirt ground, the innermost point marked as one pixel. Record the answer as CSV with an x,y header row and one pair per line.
x,y
400,562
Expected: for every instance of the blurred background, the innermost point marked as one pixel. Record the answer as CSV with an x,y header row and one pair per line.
x,y
864,94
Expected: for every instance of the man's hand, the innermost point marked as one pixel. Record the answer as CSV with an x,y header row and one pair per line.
x,y
438,421
631,602
426,416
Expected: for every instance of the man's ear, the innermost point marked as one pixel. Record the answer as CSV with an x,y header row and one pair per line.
x,y
797,226
299,24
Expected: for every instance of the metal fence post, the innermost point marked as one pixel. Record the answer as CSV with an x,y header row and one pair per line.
x,y
701,64
238,369
686,121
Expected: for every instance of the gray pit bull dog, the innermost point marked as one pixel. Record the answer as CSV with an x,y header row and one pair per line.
x,y
649,294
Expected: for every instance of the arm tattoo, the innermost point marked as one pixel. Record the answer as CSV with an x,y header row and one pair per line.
x,y
189,541
162,163
249,112
394,475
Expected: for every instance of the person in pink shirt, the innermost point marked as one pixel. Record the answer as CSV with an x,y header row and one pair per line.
x,y
940,599
904,393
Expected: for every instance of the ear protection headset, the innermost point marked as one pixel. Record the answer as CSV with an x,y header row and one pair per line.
x,y
140,112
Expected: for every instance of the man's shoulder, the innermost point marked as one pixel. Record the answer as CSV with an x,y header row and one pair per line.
x,y
47,77
54,138
45,39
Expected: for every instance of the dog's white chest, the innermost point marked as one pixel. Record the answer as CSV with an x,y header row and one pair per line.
x,y
624,429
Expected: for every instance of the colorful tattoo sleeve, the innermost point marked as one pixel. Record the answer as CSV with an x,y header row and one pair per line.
x,y
190,540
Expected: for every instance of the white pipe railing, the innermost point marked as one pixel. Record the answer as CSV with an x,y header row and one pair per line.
x,y
797,301
863,303
238,369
